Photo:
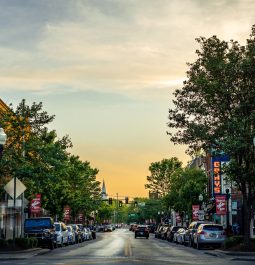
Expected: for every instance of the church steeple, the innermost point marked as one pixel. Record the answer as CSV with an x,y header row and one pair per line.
x,y
103,193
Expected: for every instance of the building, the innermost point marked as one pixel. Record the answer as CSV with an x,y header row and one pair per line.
x,y
104,195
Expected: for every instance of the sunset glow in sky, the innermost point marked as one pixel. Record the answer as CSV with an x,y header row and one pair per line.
x,y
107,69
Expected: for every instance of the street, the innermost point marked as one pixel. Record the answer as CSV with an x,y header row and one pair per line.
x,y
120,247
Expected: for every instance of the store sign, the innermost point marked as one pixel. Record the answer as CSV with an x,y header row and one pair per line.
x,y
67,213
220,201
217,161
35,205
195,212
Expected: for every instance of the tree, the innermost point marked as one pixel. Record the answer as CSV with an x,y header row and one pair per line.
x,y
186,185
216,108
41,161
161,173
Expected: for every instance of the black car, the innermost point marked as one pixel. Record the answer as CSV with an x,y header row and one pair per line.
x,y
142,231
41,228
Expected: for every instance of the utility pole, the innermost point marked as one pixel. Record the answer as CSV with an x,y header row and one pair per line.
x,y
117,214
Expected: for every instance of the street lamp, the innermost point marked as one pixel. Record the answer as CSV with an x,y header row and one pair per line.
x,y
200,198
3,138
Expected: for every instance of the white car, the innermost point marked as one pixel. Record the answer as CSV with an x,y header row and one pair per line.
x,y
71,235
86,234
61,234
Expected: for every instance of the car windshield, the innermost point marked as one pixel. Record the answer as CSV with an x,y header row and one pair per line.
x,y
213,227
142,228
57,227
37,223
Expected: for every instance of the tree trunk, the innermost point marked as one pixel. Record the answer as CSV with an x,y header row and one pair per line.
x,y
247,220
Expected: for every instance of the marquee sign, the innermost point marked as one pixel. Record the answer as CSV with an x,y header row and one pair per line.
x,y
217,173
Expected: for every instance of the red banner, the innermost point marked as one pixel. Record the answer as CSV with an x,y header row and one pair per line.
x,y
67,213
195,210
35,205
220,201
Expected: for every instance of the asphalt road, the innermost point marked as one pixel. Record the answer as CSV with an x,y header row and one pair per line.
x,y
121,248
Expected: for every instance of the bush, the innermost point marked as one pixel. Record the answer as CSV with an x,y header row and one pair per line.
x,y
26,243
233,241
3,243
20,243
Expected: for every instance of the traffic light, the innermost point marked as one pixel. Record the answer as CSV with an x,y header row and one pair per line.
x,y
120,203
126,200
110,200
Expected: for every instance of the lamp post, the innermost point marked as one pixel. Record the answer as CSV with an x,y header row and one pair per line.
x,y
227,197
3,138
200,198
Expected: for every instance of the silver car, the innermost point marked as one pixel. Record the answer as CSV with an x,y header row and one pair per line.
x,y
209,235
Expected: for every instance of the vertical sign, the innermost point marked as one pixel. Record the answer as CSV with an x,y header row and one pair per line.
x,y
67,213
195,210
35,206
220,201
216,178
217,161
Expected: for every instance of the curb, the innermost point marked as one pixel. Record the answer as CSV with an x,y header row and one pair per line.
x,y
235,253
22,255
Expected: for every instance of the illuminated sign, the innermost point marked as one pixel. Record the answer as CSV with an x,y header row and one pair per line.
x,y
217,161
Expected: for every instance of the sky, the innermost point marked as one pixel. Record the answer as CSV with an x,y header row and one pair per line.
x,y
107,69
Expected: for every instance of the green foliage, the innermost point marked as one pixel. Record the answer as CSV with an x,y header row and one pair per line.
x,y
41,161
161,173
23,243
215,109
186,185
233,241
26,243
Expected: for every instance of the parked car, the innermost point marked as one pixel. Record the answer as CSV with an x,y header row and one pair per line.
x,y
78,235
171,231
89,233
192,229
108,228
82,232
164,231
71,235
61,233
41,228
160,231
152,228
179,236
93,231
184,237
209,235
142,231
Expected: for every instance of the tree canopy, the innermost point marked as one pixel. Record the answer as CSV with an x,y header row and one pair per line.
x,y
215,108
42,162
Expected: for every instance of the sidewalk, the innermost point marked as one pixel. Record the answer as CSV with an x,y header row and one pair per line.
x,y
22,254
233,255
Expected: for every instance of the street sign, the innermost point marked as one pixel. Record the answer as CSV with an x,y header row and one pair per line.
x,y
20,188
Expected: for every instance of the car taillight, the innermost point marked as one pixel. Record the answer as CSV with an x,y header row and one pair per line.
x,y
201,233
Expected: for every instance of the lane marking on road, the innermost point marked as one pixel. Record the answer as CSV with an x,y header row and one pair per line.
x,y
128,251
